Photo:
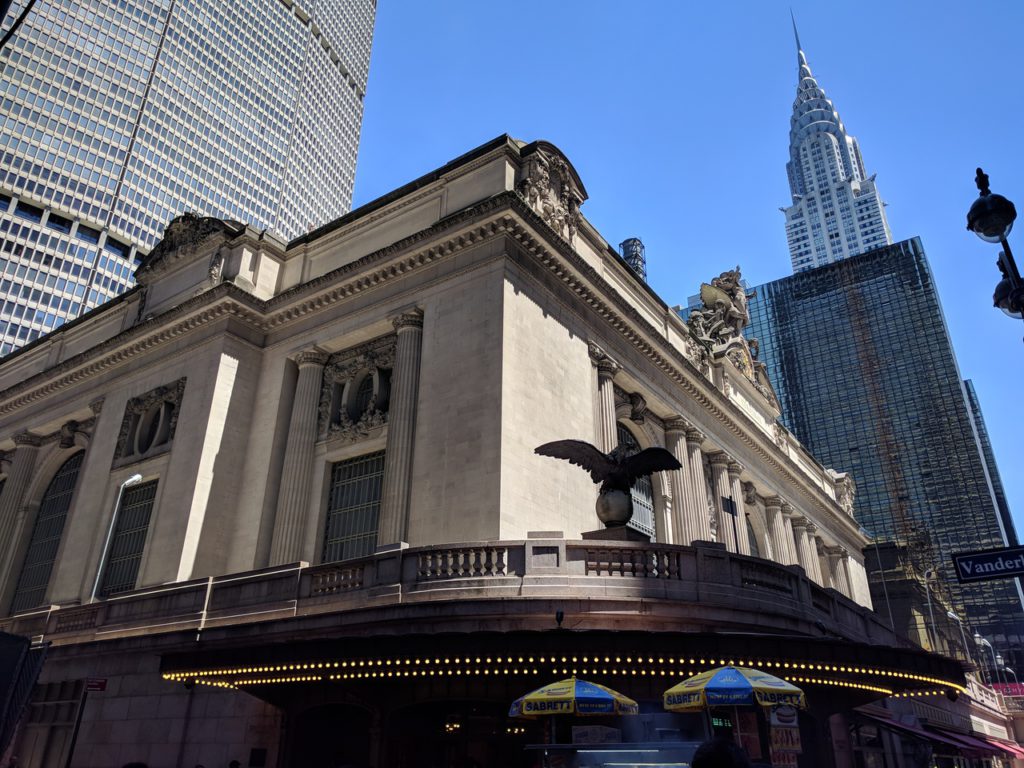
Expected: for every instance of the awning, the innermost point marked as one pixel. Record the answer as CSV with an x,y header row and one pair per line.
x,y
914,730
1009,747
971,743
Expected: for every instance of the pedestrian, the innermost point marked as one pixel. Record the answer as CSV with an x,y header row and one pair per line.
x,y
720,753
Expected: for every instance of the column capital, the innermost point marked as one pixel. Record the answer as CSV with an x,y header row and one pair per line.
x,y
774,502
788,509
314,356
606,366
412,318
811,528
720,459
735,469
27,438
694,437
799,521
677,424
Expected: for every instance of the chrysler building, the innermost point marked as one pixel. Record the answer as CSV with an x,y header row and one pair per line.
x,y
836,211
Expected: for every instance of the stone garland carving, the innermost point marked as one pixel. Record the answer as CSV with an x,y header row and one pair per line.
x,y
547,186
343,372
162,404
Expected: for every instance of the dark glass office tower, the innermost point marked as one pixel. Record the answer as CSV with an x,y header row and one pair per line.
x,y
861,360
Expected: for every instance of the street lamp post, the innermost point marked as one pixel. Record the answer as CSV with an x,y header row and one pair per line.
x,y
963,635
991,218
930,574
1000,669
1015,680
133,480
982,641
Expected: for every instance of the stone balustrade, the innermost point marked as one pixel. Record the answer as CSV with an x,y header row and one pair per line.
x,y
677,586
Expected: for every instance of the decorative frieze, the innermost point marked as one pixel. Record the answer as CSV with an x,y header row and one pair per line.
x,y
356,390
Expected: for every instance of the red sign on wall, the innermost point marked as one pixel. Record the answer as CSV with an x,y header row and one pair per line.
x,y
96,684
1010,689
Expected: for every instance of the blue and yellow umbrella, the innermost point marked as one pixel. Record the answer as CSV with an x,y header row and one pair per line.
x,y
572,696
732,687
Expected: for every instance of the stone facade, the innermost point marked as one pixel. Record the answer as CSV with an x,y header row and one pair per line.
x,y
453,325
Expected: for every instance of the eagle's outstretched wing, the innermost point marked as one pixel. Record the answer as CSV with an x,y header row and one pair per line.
x,y
647,461
581,454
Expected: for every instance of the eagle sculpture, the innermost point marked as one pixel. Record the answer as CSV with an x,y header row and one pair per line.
x,y
615,471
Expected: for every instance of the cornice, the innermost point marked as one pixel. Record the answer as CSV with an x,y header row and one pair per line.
x,y
552,253
629,323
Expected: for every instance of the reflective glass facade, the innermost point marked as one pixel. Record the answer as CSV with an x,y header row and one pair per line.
x,y
860,358
116,117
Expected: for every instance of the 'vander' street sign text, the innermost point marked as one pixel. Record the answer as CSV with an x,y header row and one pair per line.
x,y
1001,563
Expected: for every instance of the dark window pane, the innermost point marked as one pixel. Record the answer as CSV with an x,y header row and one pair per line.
x,y
353,508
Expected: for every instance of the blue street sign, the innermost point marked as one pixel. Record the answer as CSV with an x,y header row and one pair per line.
x,y
1001,563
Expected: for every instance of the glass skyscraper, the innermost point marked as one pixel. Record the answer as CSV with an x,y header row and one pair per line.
x,y
116,117
836,211
860,358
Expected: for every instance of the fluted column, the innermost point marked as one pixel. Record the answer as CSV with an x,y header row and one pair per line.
x,y
742,536
606,370
685,527
843,571
776,529
19,476
812,554
837,561
297,472
803,547
792,556
823,566
698,496
723,489
405,386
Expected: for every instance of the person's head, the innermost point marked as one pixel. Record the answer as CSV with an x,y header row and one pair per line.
x,y
720,753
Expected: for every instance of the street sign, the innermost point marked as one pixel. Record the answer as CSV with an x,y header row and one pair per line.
x,y
1000,563
95,684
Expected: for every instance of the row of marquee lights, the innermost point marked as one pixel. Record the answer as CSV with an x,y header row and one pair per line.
x,y
668,666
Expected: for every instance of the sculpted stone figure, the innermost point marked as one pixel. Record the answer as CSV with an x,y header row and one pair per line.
x,y
615,471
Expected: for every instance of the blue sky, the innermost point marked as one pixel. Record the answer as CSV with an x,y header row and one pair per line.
x,y
676,116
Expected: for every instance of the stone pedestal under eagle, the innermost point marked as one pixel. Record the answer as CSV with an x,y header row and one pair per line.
x,y
616,471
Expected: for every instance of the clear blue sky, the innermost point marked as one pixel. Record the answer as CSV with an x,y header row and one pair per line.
x,y
676,116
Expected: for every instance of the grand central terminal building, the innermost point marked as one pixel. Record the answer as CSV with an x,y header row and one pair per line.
x,y
280,503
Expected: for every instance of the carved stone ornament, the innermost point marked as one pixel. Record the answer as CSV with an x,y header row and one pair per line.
x,y
845,490
150,421
718,326
606,366
216,270
749,494
347,374
548,185
780,433
633,403
182,237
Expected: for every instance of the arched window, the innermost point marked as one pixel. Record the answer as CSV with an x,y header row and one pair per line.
x,y
643,489
46,535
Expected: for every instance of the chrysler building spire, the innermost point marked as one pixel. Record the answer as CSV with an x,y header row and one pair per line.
x,y
836,211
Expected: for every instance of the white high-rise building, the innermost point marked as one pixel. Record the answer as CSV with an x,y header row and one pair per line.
x,y
117,117
836,211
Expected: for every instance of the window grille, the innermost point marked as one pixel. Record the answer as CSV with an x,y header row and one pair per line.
x,y
363,396
353,508
125,555
46,535
643,488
